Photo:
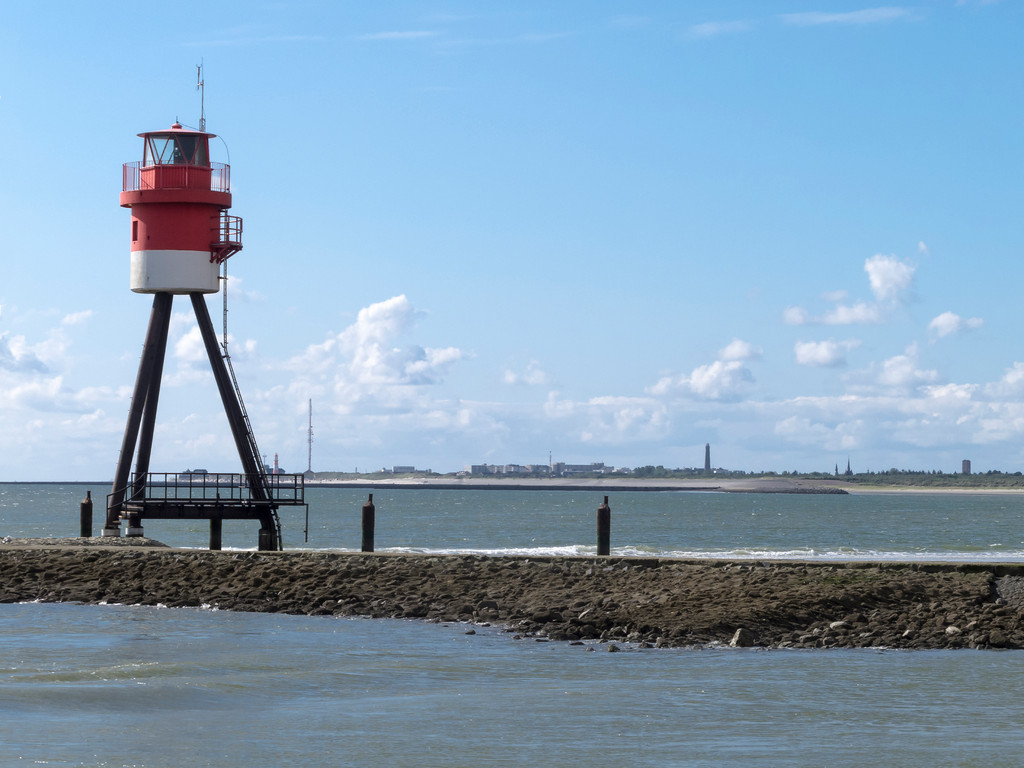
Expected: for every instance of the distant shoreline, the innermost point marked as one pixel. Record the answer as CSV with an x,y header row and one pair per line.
x,y
795,485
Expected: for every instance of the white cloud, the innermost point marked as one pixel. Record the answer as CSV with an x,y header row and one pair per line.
x,y
365,364
724,379
805,431
860,313
610,419
795,316
829,354
901,372
861,17
1010,386
738,349
534,375
949,323
76,318
39,393
890,280
17,355
189,347
720,380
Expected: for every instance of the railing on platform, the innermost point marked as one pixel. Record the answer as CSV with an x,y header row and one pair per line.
x,y
225,487
216,177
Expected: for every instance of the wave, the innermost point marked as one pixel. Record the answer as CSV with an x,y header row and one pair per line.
x,y
838,554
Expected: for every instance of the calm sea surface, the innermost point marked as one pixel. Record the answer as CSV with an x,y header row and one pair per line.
x,y
140,686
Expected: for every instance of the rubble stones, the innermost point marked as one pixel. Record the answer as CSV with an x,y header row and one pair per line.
x,y
622,601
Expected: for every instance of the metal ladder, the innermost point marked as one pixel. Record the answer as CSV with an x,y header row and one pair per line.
x,y
250,435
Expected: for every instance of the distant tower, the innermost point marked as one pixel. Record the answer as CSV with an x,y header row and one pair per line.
x,y
848,470
966,467
707,458
309,464
180,235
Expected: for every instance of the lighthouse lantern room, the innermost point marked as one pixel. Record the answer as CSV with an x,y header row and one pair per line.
x,y
181,233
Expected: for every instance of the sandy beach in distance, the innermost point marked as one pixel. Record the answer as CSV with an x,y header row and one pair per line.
x,y
614,483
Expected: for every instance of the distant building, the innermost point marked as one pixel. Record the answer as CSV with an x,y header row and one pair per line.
x,y
849,471
542,470
966,468
707,457
563,469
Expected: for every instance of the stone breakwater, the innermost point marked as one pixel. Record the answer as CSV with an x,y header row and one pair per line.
x,y
635,600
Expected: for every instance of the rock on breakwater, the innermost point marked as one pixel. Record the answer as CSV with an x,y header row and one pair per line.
x,y
643,600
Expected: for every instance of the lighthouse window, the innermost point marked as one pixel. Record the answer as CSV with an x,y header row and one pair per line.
x,y
175,150
159,150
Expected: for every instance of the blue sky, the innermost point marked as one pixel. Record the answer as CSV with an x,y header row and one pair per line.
x,y
483,232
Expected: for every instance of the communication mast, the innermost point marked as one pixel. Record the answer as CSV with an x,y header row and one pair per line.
x,y
201,87
309,466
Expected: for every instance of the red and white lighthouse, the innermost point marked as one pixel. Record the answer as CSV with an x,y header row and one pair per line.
x,y
181,231
181,234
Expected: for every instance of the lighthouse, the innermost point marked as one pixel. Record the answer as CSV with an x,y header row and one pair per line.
x,y
181,234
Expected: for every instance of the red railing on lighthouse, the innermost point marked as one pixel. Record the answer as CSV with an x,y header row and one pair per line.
x,y
215,177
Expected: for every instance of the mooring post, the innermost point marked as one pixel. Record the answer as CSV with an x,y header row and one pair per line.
x,y
369,522
604,527
216,526
266,540
86,516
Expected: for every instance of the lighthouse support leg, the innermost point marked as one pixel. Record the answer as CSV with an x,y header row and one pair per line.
x,y
148,428
150,366
239,430
254,471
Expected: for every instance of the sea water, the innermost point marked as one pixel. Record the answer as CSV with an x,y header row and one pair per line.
x,y
890,526
152,687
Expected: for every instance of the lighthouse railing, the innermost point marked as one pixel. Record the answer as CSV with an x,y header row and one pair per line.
x,y
222,487
137,177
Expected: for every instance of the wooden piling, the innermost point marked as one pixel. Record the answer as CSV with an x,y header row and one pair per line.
x,y
86,516
604,528
266,540
369,523
216,529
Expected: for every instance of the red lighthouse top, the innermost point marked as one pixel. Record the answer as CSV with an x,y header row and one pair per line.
x,y
174,160
181,230
177,146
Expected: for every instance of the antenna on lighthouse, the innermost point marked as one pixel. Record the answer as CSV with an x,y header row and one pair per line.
x,y
201,87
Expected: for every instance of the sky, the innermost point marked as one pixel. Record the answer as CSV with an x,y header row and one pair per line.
x,y
501,232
